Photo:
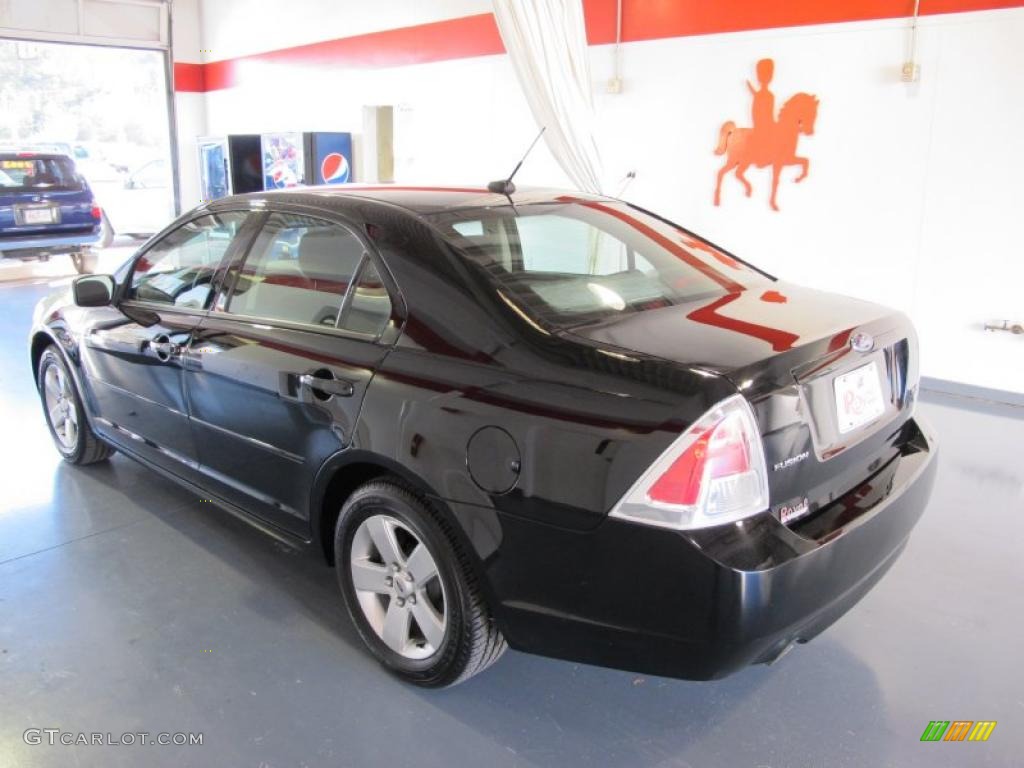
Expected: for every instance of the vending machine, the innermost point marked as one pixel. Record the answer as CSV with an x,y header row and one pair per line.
x,y
229,165
328,158
312,157
284,163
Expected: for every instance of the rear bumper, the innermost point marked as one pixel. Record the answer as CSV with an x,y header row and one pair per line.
x,y
704,604
27,245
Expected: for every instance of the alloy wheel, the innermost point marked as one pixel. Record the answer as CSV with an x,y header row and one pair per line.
x,y
60,405
398,587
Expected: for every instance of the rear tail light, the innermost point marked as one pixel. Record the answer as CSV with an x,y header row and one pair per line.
x,y
713,473
96,212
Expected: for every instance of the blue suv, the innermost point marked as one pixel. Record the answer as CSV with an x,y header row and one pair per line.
x,y
47,208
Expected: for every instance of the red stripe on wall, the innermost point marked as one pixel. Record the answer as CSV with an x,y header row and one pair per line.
x,y
658,19
189,78
641,20
439,41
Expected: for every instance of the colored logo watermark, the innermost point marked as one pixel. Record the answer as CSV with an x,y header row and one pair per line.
x,y
958,730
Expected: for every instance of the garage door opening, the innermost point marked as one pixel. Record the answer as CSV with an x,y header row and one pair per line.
x,y
106,108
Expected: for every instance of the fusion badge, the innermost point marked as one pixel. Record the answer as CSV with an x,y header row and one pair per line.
x,y
787,463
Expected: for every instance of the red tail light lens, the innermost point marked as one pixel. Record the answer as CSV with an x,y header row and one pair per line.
x,y
714,473
97,213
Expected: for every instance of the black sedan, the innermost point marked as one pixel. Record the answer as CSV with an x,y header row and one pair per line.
x,y
546,420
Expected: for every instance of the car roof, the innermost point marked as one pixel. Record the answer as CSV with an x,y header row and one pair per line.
x,y
422,200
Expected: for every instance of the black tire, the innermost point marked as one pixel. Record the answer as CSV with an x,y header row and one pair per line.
x,y
472,641
85,261
86,448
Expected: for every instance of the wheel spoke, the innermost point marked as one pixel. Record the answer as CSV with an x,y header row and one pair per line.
x,y
421,565
430,624
369,577
56,415
383,536
396,627
71,413
51,383
70,432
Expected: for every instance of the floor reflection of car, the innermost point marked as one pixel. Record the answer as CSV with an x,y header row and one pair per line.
x,y
46,208
143,203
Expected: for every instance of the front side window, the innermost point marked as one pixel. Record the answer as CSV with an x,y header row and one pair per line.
x,y
298,271
180,268
582,261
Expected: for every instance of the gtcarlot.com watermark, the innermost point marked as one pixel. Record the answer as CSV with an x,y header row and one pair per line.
x,y
55,736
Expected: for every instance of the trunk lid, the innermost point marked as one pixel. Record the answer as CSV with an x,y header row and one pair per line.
x,y
784,347
66,211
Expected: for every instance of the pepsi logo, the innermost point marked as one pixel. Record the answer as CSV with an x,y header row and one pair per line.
x,y
334,169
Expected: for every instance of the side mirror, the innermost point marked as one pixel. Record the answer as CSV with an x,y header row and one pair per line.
x,y
93,290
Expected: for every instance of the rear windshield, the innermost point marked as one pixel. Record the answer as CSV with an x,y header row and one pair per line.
x,y
37,174
584,261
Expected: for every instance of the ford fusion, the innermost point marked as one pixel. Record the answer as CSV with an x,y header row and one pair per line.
x,y
543,420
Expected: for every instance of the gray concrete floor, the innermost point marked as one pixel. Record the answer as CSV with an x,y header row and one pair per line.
x,y
127,604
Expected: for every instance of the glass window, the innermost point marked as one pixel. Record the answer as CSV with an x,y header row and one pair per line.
x,y
297,271
180,268
369,309
38,174
582,261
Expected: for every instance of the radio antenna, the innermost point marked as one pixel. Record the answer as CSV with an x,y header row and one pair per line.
x,y
505,186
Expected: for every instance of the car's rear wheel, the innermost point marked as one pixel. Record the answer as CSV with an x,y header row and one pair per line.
x,y
65,414
410,589
85,261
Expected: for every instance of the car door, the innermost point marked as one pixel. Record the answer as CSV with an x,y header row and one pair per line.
x,y
278,369
133,357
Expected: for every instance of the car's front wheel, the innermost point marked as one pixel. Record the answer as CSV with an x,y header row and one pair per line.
x,y
65,414
410,589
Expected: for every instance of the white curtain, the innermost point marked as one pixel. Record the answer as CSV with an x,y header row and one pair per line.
x,y
547,42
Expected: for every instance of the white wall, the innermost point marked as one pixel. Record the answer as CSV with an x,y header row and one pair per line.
x,y
912,198
189,108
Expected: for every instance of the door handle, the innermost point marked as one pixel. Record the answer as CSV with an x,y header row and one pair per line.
x,y
163,347
327,386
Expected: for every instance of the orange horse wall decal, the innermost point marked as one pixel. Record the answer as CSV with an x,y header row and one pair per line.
x,y
769,141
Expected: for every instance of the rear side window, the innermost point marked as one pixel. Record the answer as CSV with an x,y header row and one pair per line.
x,y
369,309
180,268
581,261
38,174
298,271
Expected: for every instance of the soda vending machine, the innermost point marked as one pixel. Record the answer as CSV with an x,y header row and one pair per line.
x,y
284,163
328,158
229,165
312,157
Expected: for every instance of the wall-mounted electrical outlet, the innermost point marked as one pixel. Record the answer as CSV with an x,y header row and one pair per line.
x,y
614,85
910,72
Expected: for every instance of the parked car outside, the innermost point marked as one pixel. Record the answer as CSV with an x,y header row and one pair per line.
x,y
47,208
547,420
142,204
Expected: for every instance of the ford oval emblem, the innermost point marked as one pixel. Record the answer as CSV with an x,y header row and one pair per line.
x,y
862,342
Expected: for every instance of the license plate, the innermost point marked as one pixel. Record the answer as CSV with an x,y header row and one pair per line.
x,y
38,215
858,397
